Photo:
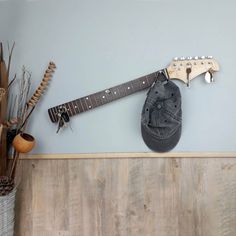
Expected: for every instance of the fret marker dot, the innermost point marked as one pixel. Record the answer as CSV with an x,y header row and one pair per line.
x,y
86,98
75,106
128,87
115,92
143,82
103,96
90,107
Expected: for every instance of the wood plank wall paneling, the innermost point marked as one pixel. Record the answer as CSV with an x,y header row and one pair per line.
x,y
127,197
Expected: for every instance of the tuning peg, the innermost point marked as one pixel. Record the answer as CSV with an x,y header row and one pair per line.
x,y
203,57
196,58
189,58
209,77
209,57
182,58
176,58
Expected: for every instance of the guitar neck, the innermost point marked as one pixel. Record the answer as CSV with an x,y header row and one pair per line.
x,y
103,97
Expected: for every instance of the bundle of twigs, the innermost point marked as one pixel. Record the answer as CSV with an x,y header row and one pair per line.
x,y
20,108
5,183
29,108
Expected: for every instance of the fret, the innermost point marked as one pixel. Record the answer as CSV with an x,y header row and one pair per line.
x,y
126,90
103,97
85,100
139,84
84,103
93,98
88,102
79,105
51,114
79,100
132,86
109,96
74,107
113,96
97,97
121,91
147,80
116,92
55,111
71,107
67,108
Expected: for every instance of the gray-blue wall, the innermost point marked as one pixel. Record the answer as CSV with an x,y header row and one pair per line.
x,y
99,44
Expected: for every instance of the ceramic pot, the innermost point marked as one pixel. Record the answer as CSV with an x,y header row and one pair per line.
x,y
23,142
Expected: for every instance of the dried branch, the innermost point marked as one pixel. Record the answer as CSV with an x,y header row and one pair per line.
x,y
12,81
24,88
9,58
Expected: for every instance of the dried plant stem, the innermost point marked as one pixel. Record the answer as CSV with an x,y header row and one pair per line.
x,y
1,127
39,92
12,81
23,97
16,156
9,58
26,119
3,112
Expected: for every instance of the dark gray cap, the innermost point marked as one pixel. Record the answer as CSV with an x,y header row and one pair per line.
x,y
161,116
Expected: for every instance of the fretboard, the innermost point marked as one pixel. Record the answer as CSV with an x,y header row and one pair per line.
x,y
103,97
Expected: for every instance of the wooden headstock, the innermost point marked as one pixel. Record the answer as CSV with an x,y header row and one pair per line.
x,y
179,67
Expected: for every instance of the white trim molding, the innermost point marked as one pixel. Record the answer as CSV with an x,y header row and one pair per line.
x,y
121,155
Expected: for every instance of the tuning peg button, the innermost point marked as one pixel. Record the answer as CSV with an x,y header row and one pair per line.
x,y
196,58
176,59
209,57
209,77
203,57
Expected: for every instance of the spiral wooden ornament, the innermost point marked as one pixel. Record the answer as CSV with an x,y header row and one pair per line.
x,y
11,122
43,85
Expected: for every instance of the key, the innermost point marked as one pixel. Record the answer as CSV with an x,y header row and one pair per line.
x,y
60,124
188,71
64,119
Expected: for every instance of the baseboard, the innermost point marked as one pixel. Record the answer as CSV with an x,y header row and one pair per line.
x,y
129,155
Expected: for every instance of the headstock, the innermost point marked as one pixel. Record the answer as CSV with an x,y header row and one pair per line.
x,y
187,68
